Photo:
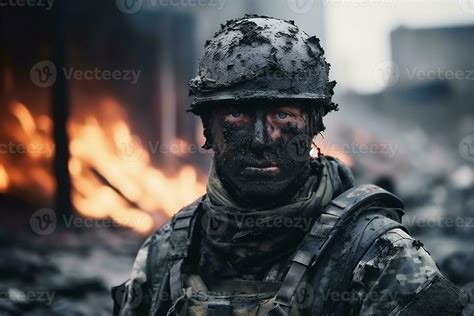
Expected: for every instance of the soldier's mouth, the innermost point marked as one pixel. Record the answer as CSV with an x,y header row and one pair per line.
x,y
261,171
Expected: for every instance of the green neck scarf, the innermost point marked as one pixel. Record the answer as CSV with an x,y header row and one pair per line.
x,y
249,237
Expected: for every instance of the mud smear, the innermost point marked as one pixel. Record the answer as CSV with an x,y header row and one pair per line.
x,y
236,148
261,55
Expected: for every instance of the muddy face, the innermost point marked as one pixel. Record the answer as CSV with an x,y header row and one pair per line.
x,y
261,151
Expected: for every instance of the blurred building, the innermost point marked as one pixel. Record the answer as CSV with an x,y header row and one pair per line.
x,y
431,82
433,50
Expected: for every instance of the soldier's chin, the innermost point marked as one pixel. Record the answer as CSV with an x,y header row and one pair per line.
x,y
265,193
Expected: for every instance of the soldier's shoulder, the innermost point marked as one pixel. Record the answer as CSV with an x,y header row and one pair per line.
x,y
162,235
397,255
154,250
157,239
401,270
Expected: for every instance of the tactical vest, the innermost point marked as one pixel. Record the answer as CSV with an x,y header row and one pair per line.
x,y
322,264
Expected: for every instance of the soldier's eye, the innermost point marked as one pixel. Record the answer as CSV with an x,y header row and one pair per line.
x,y
236,117
282,115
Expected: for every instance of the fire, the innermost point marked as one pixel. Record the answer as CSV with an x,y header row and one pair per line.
x,y
113,176
3,179
27,151
111,171
25,118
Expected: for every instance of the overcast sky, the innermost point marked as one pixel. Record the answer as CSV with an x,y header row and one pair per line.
x,y
357,33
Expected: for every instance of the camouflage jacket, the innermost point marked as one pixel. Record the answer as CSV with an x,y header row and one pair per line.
x,y
396,276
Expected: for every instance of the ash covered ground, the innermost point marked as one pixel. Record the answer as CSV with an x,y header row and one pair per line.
x,y
69,272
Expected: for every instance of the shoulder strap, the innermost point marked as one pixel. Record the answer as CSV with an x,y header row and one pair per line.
x,y
339,211
180,232
180,240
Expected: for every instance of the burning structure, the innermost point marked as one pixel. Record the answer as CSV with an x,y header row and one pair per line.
x,y
130,145
95,130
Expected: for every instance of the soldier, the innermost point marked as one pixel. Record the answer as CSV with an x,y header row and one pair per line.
x,y
279,232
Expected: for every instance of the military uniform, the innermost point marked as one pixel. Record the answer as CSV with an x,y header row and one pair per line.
x,y
359,260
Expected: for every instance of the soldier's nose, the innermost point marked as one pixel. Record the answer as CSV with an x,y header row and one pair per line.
x,y
260,133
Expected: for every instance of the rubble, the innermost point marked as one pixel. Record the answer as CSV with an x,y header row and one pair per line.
x,y
69,272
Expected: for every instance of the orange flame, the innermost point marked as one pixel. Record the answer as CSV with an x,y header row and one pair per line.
x,y
25,118
111,171
4,181
29,150
134,190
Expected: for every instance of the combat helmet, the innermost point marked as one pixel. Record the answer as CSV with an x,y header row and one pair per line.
x,y
262,57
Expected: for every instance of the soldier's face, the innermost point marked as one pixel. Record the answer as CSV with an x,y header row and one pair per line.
x,y
261,151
